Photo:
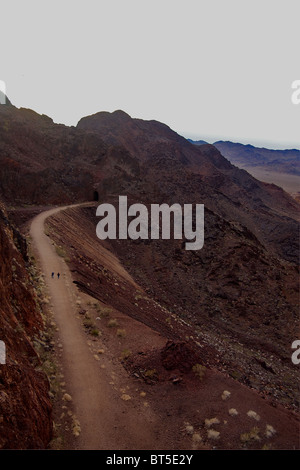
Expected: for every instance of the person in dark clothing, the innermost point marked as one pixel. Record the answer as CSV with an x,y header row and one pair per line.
x,y
52,275
58,275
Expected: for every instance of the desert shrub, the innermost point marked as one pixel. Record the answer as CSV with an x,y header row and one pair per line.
x,y
88,323
225,395
196,437
95,332
189,429
125,354
150,373
121,333
209,422
252,435
103,311
253,414
269,430
112,323
199,371
60,251
212,434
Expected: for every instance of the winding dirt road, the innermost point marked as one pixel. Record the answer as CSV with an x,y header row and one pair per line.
x,y
106,422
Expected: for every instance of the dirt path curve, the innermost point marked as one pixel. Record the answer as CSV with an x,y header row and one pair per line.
x,y
106,421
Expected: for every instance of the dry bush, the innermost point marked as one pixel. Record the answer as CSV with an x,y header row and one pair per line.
x,y
199,371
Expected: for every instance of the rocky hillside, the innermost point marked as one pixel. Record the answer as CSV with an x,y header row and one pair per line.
x,y
25,407
171,169
133,327
238,295
237,301
45,163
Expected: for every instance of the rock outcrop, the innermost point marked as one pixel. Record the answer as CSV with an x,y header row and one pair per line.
x,y
25,407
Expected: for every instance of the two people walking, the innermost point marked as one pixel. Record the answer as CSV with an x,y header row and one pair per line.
x,y
52,275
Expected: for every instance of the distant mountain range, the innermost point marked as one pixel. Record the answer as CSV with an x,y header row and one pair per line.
x,y
249,156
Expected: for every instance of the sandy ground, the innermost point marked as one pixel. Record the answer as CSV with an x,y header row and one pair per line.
x,y
289,182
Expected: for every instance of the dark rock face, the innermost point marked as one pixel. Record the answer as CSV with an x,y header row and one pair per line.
x,y
178,356
45,163
25,407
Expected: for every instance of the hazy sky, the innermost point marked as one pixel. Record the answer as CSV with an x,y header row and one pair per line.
x,y
214,69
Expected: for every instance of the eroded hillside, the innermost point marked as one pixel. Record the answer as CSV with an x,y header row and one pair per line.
x,y
209,382
25,406
233,297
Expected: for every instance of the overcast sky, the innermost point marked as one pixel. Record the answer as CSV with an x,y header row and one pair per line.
x,y
214,69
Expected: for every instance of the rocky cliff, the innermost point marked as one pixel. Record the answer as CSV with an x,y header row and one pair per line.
x,y
25,407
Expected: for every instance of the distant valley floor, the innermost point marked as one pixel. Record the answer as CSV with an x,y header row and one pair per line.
x,y
290,183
